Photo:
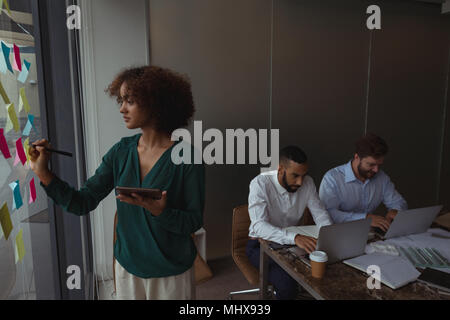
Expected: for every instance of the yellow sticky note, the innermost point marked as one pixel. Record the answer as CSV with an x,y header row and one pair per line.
x,y
26,146
7,6
3,94
5,221
20,245
24,101
13,117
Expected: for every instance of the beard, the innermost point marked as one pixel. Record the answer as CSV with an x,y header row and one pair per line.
x,y
366,174
290,188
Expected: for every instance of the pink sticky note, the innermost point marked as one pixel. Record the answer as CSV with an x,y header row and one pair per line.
x,y
17,63
20,151
32,192
4,145
17,159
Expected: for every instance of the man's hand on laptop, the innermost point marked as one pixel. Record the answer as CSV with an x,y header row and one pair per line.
x,y
379,222
306,243
390,215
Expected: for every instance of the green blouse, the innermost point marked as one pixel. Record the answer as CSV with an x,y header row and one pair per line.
x,y
147,246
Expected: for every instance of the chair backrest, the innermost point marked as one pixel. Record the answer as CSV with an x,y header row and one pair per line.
x,y
239,238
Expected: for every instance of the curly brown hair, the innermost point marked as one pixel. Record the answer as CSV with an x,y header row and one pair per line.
x,y
165,93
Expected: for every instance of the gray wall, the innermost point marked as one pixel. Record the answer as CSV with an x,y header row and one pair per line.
x,y
331,81
223,46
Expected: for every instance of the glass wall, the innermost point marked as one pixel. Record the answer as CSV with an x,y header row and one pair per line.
x,y
24,232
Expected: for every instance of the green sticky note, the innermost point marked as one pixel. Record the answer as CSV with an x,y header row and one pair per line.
x,y
20,245
3,94
13,117
5,221
24,101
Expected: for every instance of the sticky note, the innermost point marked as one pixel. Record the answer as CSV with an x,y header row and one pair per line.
x,y
17,159
30,125
23,101
17,62
4,145
17,197
6,50
32,192
13,117
5,221
7,6
3,66
25,70
20,245
26,147
20,151
3,94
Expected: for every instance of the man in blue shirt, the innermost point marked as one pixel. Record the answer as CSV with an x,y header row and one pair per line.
x,y
354,190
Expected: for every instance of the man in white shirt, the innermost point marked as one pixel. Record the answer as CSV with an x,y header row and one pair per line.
x,y
276,201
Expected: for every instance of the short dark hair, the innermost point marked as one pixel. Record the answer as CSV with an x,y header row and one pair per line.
x,y
165,93
371,145
292,153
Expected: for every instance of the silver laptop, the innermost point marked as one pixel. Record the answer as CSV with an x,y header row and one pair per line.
x,y
412,221
344,240
340,241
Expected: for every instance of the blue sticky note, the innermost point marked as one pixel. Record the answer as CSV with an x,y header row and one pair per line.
x,y
17,197
6,50
3,67
25,70
29,125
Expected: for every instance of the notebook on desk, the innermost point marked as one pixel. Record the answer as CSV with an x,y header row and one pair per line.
x,y
395,271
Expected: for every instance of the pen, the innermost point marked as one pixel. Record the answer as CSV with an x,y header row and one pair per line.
x,y
64,153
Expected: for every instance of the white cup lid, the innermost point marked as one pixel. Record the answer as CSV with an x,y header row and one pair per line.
x,y
318,256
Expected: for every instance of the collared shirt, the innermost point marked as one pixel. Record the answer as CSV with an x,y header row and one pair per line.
x,y
147,246
348,198
272,208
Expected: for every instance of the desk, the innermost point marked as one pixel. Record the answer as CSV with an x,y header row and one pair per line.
x,y
341,282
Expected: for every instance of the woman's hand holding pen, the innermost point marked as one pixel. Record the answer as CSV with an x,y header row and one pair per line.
x,y
39,158
155,207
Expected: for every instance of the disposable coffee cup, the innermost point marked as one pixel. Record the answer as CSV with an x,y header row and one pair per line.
x,y
318,263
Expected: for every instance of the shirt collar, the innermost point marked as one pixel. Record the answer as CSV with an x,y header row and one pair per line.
x,y
348,172
281,190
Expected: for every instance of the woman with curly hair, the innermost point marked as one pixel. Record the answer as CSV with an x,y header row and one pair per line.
x,y
154,250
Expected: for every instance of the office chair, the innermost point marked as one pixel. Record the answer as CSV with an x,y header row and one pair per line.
x,y
239,239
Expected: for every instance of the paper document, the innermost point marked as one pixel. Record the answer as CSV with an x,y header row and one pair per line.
x,y
309,231
395,271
